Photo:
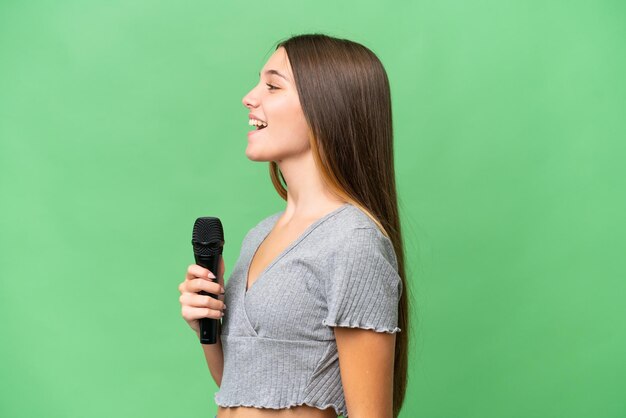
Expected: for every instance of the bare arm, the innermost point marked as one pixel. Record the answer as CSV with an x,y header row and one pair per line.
x,y
366,360
196,307
214,357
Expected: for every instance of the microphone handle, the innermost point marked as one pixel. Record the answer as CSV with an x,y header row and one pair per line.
x,y
208,326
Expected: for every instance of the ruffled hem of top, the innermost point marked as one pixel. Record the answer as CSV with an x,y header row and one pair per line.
x,y
388,330
289,405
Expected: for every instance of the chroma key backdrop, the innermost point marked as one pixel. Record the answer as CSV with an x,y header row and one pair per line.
x,y
121,122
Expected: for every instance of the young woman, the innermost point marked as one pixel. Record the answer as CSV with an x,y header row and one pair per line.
x,y
312,312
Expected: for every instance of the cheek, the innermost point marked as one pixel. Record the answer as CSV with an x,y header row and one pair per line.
x,y
287,125
289,117
291,137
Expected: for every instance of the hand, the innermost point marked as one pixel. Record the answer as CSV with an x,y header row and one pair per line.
x,y
196,306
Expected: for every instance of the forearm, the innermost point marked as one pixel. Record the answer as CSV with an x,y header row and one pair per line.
x,y
214,358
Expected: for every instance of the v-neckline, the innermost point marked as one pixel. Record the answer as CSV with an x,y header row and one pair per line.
x,y
288,248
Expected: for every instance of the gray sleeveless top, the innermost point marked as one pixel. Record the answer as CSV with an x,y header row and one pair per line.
x,y
278,341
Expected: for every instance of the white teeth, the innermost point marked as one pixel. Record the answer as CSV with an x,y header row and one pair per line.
x,y
256,122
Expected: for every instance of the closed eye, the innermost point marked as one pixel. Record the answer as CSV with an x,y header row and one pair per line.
x,y
271,87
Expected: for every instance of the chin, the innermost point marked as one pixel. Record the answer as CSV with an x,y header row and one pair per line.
x,y
252,156
257,152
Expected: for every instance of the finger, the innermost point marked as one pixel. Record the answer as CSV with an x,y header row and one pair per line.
x,y
196,285
195,271
221,267
190,313
201,301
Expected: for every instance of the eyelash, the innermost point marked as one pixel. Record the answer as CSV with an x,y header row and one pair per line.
x,y
271,86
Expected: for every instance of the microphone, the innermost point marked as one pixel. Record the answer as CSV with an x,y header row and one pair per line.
x,y
208,241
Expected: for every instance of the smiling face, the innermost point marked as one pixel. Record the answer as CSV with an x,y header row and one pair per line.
x,y
275,101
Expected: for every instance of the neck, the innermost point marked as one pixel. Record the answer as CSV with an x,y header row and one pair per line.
x,y
307,195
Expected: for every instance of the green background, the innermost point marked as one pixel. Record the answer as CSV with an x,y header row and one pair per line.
x,y
121,122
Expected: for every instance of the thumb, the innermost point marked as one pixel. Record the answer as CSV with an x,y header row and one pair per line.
x,y
221,268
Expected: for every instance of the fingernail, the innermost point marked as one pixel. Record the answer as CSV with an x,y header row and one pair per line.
x,y
211,275
222,290
224,306
222,314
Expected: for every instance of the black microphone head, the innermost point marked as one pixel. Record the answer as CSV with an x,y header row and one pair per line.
x,y
208,236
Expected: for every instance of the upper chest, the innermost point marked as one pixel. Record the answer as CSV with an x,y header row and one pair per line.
x,y
286,298
277,241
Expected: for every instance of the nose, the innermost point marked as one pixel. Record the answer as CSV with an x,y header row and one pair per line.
x,y
250,99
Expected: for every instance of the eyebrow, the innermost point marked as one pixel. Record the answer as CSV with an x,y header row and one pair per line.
x,y
274,72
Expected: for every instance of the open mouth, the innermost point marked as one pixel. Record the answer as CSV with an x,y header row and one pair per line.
x,y
258,124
